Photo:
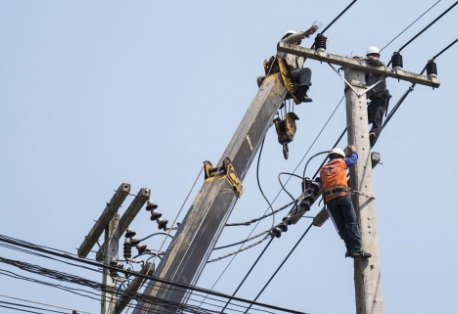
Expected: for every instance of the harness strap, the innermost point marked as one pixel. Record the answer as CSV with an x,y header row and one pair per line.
x,y
336,190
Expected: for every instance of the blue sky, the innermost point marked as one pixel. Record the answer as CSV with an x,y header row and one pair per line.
x,y
94,94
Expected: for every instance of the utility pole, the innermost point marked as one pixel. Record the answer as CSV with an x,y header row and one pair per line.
x,y
367,274
111,254
114,226
368,282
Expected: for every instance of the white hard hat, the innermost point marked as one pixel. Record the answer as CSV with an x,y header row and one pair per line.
x,y
337,151
290,32
372,49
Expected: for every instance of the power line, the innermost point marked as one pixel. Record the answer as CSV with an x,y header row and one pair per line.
x,y
410,25
31,246
281,265
22,310
428,26
41,303
411,88
31,307
338,16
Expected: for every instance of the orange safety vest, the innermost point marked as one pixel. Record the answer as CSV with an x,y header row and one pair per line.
x,y
334,174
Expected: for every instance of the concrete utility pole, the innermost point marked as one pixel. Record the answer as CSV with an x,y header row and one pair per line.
x,y
368,282
367,274
114,226
194,241
111,254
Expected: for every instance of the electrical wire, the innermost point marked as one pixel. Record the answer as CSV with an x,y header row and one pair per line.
x,y
31,307
428,26
248,273
338,16
411,88
281,265
21,243
259,183
13,308
410,25
247,223
46,304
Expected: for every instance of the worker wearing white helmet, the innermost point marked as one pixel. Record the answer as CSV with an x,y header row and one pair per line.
x,y
379,95
295,63
335,192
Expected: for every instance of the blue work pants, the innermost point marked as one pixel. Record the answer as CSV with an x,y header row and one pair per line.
x,y
343,214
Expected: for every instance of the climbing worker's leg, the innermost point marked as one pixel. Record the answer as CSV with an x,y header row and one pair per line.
x,y
375,111
302,77
339,221
352,228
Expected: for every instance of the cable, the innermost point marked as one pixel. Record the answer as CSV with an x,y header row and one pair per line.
x,y
443,50
41,303
31,307
338,16
424,29
13,241
281,265
259,184
247,223
428,26
317,154
411,88
248,273
410,25
12,308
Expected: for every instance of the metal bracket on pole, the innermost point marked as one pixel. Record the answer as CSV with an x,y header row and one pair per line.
x,y
350,85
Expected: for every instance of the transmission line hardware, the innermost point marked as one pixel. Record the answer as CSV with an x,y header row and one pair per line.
x,y
431,68
226,171
155,215
320,42
286,129
311,190
396,60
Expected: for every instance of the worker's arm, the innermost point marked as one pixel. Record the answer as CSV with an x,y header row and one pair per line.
x,y
300,35
350,161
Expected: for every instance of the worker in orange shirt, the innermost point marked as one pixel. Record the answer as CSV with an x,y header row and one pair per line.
x,y
336,194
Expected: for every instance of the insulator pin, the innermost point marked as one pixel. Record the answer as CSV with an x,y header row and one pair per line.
x,y
396,60
431,68
151,205
320,42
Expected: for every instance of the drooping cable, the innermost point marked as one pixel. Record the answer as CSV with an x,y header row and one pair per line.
x,y
281,265
248,273
410,25
259,183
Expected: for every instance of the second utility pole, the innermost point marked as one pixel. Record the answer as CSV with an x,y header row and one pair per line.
x,y
368,283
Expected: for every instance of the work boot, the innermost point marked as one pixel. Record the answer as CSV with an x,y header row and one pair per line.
x,y
360,253
302,93
372,138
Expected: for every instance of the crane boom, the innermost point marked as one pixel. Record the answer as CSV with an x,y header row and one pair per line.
x,y
194,241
